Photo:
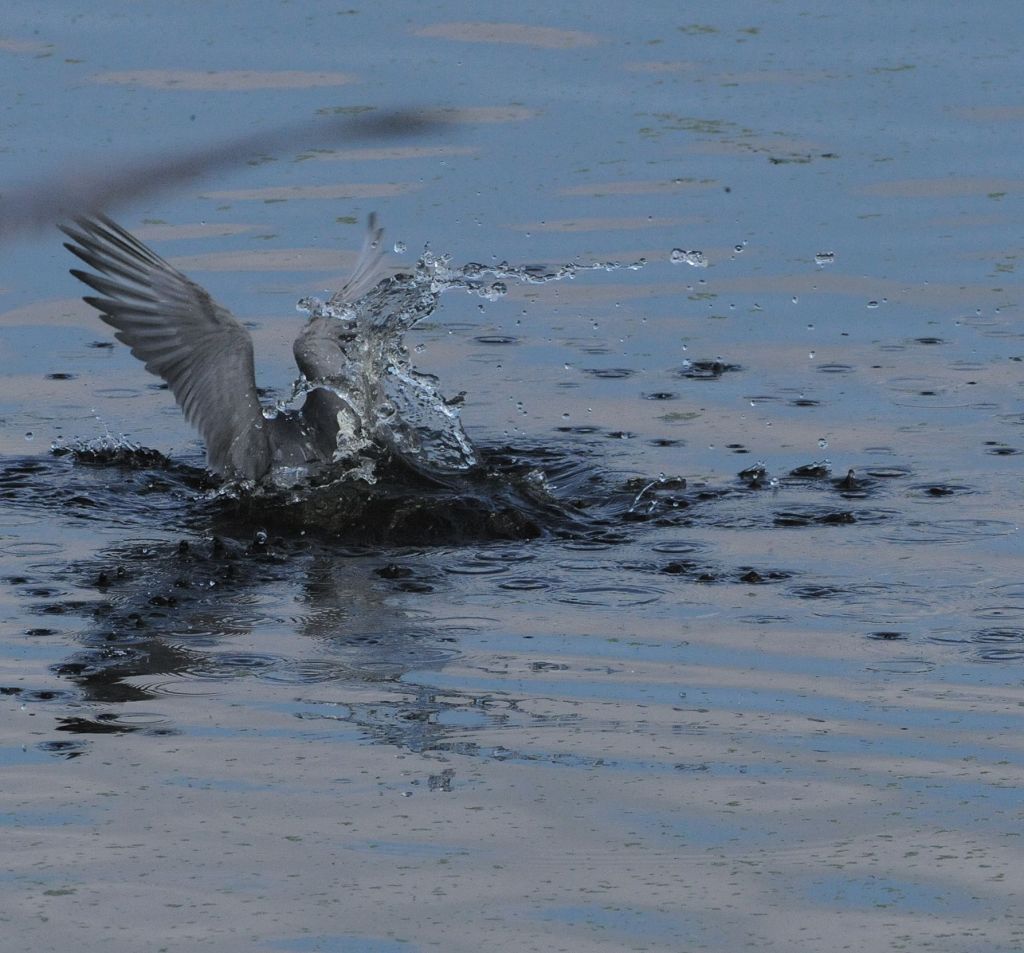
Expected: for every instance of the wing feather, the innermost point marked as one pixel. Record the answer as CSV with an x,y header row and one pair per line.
x,y
182,335
369,267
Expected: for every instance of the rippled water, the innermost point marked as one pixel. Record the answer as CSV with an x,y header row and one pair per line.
x,y
719,645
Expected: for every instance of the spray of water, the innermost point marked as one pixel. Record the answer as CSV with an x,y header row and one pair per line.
x,y
386,404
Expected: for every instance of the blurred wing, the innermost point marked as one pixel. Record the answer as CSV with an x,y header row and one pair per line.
x,y
83,189
182,335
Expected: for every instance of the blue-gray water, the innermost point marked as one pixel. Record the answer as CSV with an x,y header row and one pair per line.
x,y
777,712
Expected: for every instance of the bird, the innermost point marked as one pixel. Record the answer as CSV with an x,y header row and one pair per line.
x,y
205,355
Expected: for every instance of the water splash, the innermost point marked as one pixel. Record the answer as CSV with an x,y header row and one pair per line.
x,y
109,450
386,406
693,258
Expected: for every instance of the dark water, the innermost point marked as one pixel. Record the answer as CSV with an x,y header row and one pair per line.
x,y
723,650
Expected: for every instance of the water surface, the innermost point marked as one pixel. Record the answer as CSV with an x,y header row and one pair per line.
x,y
734,706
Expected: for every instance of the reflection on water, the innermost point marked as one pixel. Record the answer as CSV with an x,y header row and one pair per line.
x,y
186,613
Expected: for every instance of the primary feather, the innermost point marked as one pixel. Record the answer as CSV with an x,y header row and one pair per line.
x,y
204,354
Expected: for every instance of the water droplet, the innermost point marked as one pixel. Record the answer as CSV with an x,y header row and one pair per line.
x,y
810,355
495,291
872,304
30,435
399,248
825,258
822,443
694,258
739,248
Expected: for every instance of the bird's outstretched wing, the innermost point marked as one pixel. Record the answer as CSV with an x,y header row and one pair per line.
x,y
182,335
369,267
317,351
321,356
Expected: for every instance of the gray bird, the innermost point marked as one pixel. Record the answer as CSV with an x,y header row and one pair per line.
x,y
205,355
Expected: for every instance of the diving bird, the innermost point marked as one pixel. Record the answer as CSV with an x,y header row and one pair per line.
x,y
205,355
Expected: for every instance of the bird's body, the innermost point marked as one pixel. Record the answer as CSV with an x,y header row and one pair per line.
x,y
205,355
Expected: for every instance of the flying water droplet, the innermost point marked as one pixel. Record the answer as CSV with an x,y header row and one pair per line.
x,y
694,258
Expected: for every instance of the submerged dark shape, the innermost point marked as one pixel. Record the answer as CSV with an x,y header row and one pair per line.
x,y
205,355
507,497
